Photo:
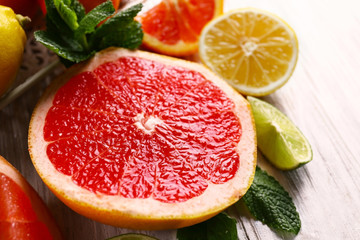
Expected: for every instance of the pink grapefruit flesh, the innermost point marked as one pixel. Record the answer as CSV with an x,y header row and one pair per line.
x,y
22,214
151,140
139,128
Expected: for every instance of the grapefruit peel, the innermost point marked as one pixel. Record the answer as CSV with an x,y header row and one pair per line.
x,y
144,213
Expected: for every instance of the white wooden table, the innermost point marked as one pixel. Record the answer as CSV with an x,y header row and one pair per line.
x,y
322,98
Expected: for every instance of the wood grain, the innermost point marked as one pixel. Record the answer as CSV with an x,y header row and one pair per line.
x,y
322,98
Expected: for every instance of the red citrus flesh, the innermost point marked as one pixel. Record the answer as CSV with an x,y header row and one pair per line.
x,y
102,130
22,214
17,217
139,140
173,27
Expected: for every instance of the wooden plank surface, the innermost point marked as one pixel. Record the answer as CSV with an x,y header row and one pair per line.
x,y
322,98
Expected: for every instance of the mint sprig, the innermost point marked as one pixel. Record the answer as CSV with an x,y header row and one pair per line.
x,y
76,36
270,203
221,226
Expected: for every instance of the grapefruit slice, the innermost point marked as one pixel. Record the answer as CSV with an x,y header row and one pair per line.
x,y
172,27
139,140
23,215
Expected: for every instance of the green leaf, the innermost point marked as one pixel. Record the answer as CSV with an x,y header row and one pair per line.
x,y
56,44
67,13
66,37
54,21
269,202
79,9
219,227
94,17
127,37
75,36
116,23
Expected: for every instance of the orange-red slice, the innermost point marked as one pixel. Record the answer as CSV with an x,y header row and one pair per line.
x,y
23,215
139,140
173,27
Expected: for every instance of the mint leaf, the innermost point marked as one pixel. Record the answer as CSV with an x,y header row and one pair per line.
x,y
67,13
66,39
122,23
59,47
94,17
54,22
79,9
219,227
269,202
129,37
76,36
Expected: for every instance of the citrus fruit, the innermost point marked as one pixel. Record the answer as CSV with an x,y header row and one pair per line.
x,y
12,44
139,140
255,51
278,138
23,215
132,236
173,27
88,4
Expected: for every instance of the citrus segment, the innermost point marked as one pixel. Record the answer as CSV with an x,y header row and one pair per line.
x,y
147,131
278,138
22,214
173,26
255,51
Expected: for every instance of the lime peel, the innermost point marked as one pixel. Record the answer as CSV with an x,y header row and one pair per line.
x,y
281,142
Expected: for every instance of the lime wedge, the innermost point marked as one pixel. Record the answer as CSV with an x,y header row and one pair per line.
x,y
278,138
132,236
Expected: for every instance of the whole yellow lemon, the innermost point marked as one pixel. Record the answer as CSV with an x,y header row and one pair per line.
x,y
12,43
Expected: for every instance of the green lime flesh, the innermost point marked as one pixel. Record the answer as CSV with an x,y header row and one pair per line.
x,y
281,142
132,236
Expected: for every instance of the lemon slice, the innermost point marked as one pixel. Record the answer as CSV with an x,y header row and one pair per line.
x,y
278,138
255,51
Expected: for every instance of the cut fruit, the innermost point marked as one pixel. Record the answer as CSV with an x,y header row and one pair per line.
x,y
23,215
278,138
255,51
173,27
132,236
139,140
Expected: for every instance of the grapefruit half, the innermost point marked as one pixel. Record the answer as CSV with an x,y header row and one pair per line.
x,y
139,140
173,27
23,215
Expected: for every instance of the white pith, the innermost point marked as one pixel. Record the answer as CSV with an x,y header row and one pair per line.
x,y
147,124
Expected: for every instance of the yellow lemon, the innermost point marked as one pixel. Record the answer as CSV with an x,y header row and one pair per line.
x,y
254,50
12,43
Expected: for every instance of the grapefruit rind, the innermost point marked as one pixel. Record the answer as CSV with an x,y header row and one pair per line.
x,y
181,48
244,88
144,213
36,202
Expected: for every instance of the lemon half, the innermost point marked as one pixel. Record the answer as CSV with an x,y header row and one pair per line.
x,y
253,50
